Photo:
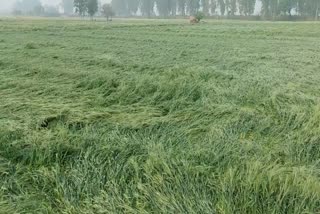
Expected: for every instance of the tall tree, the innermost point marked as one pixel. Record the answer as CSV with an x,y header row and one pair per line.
x,y
147,7
286,6
274,8
81,7
213,6
193,6
205,4
181,4
312,8
107,11
222,6
231,6
166,7
162,7
132,6
317,8
92,7
247,7
172,7
265,9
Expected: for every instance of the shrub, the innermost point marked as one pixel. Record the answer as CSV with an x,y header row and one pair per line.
x,y
199,16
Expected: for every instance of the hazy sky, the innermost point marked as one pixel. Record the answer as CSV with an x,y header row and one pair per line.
x,y
7,4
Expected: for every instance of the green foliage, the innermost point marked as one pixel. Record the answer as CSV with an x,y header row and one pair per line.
x,y
166,7
270,8
247,7
309,8
181,5
222,6
199,16
192,6
81,7
213,6
159,117
233,7
147,7
92,7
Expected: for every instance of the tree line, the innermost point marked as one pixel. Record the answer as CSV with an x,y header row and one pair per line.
x,y
166,8
91,7
34,7
67,7
270,9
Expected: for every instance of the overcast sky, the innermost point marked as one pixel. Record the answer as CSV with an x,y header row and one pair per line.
x,y
7,4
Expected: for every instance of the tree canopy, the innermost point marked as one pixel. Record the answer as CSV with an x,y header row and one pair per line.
x,y
270,8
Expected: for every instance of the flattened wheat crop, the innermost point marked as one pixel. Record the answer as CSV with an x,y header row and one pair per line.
x,y
159,117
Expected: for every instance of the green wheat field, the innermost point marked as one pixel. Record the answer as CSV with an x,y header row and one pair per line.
x,y
139,116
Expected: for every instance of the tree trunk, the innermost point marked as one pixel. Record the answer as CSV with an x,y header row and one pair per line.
x,y
317,12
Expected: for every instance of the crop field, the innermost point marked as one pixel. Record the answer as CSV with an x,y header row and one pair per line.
x,y
140,116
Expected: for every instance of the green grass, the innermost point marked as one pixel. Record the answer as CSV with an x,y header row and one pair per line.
x,y
159,117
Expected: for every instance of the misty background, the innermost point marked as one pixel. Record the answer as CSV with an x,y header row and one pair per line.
x,y
6,6
290,10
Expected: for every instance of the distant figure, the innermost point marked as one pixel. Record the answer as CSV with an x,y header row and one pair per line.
x,y
193,20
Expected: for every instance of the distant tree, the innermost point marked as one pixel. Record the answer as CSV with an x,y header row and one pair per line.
x,y
92,7
163,7
107,11
199,16
51,11
222,6
317,8
147,7
205,6
270,8
286,6
181,4
193,6
132,6
246,7
67,6
274,8
231,6
38,10
265,9
213,6
26,6
308,8
81,7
